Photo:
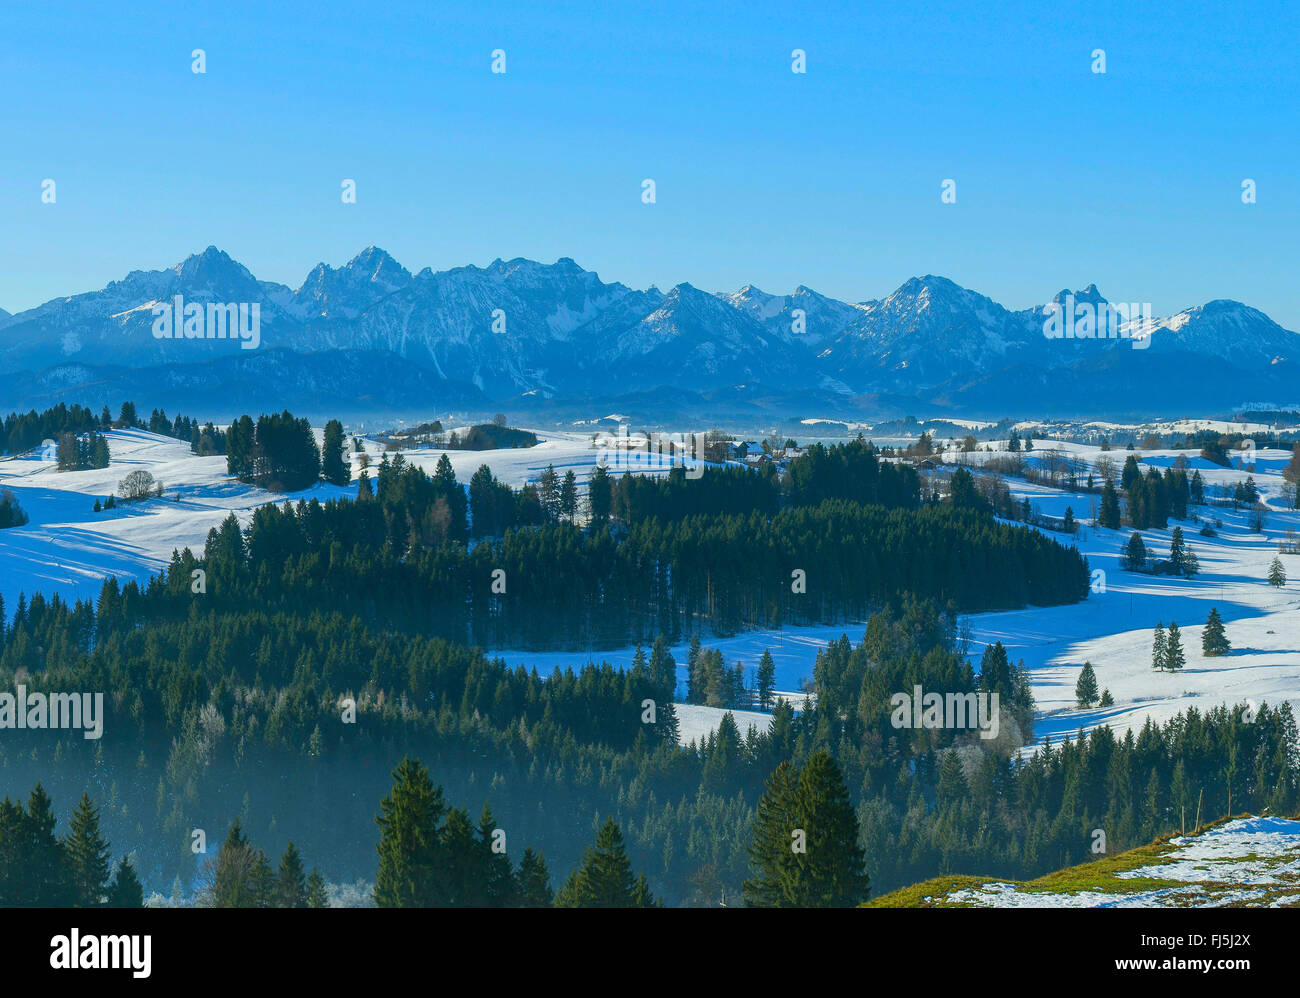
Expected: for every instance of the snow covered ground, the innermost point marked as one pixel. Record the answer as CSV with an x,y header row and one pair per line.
x,y
69,549
1114,629
1254,862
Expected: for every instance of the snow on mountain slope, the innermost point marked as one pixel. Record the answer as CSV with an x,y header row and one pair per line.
x,y
520,326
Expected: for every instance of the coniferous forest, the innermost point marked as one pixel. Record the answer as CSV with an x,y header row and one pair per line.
x,y
295,679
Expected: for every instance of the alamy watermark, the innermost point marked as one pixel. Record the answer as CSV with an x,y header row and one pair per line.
x,y
641,451
176,320
1108,320
954,711
40,711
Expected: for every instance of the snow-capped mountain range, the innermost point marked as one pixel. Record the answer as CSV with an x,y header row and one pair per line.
x,y
371,335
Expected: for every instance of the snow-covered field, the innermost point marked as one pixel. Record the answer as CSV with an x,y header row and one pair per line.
x,y
69,549
1252,862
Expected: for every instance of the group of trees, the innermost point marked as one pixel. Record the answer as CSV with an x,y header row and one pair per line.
x,y
431,856
240,876
1182,559
38,869
399,560
20,431
78,453
219,708
1153,498
279,452
11,512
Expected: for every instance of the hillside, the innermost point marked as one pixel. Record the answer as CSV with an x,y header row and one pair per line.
x,y
1250,862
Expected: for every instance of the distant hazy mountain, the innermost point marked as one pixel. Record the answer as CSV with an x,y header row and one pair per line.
x,y
371,337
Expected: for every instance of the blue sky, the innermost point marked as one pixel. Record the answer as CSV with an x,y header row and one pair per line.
x,y
831,179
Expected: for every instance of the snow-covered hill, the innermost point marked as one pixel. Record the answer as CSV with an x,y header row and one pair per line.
x,y
1251,862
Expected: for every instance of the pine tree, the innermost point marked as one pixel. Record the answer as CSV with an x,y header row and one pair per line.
x,y
1276,573
548,489
316,894
604,878
291,883
333,468
534,882
1177,551
1109,516
87,856
45,870
125,891
766,680
569,495
1135,553
1106,699
771,854
409,842
1085,690
235,873
497,878
1214,640
600,495
1174,657
1159,655
833,869
263,881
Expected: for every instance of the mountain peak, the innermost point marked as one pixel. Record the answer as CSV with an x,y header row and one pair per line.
x,y
1089,295
211,265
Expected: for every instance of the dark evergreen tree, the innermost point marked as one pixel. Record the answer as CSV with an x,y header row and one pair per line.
x,y
409,840
534,882
291,882
604,878
87,856
1214,639
125,891
333,467
1085,690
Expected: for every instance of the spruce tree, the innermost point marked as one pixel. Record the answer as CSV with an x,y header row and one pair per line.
x,y
1174,657
1085,690
548,489
409,840
604,878
1109,516
1276,573
1135,553
497,877
533,882
333,468
125,890
832,872
766,680
1214,640
291,883
87,856
317,897
1159,655
45,870
569,495
1177,551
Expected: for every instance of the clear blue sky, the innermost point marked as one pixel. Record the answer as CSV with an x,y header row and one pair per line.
x,y
830,179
